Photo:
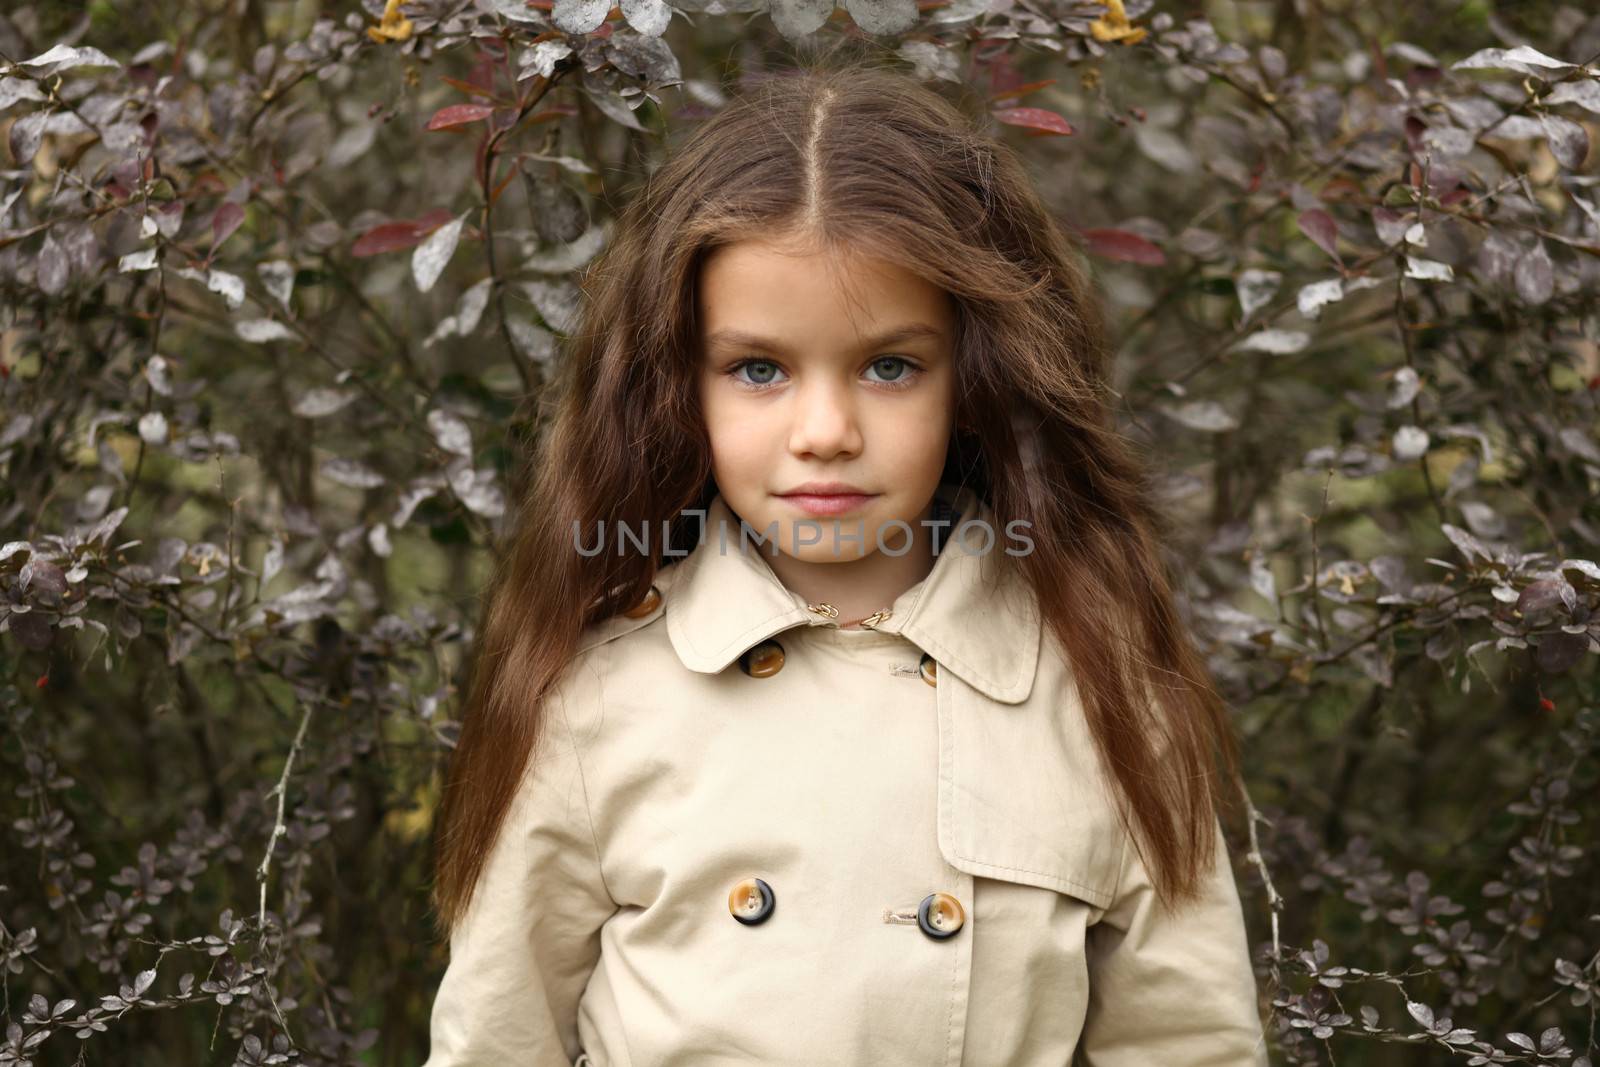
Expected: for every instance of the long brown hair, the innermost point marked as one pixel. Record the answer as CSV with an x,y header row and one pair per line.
x,y
852,154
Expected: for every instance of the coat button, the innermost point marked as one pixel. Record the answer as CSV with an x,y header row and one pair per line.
x,y
651,601
751,901
930,669
762,660
940,915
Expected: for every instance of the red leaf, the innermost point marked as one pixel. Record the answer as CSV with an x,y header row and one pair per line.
x,y
394,236
1318,225
227,219
550,114
1021,90
468,87
458,115
1034,118
44,680
1125,246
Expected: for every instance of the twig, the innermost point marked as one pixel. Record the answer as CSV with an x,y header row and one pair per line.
x,y
278,828
1274,901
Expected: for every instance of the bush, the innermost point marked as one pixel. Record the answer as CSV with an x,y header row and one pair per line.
x,y
281,297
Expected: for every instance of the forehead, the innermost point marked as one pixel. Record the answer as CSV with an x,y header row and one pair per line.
x,y
762,286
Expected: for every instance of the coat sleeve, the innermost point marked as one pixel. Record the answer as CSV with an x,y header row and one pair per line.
x,y
523,952
1166,988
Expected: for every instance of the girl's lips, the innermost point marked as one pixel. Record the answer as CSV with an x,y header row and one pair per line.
x,y
828,503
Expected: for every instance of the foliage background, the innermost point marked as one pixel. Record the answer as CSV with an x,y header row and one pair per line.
x,y
283,283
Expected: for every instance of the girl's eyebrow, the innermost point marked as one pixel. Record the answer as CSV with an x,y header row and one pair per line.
x,y
743,339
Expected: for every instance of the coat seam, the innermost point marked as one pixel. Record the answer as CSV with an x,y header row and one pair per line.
x,y
583,779
1042,874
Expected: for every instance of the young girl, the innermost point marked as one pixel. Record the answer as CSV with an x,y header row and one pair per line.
x,y
923,772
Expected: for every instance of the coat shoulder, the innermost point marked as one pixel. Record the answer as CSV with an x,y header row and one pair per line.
x,y
649,611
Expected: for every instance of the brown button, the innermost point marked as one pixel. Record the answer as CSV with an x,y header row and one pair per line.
x,y
930,669
651,601
941,915
762,660
751,901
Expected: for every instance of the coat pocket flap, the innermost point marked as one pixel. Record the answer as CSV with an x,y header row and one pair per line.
x,y
1021,794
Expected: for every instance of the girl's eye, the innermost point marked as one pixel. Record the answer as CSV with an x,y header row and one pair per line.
x,y
761,375
897,372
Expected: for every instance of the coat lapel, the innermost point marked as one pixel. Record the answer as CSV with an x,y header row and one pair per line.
x,y
975,617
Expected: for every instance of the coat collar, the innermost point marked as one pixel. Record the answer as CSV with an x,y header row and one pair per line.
x,y
977,621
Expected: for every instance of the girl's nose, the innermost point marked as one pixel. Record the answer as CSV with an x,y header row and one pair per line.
x,y
824,421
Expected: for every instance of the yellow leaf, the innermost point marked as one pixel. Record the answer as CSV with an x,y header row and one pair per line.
x,y
1114,25
393,26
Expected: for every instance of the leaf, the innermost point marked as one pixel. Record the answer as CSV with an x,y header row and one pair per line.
x,y
271,564
321,402
352,472
227,219
579,16
430,257
53,269
27,133
799,18
1428,270
614,108
1205,415
540,60
1124,245
1166,149
1114,25
447,118
1276,342
451,432
1404,387
1391,225
1522,59
1035,118
398,235
143,260
649,17
393,26
1256,289
1420,1012
1313,297
1320,227
1465,543
62,57
277,275
1585,94
478,491
260,331
1534,274
883,16
1568,141
932,61
1409,442
153,427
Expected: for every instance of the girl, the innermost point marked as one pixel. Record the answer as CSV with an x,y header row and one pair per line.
x,y
924,772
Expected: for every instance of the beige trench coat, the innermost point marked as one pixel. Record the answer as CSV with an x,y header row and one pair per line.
x,y
941,878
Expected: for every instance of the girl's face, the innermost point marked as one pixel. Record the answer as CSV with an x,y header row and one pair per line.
x,y
822,370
